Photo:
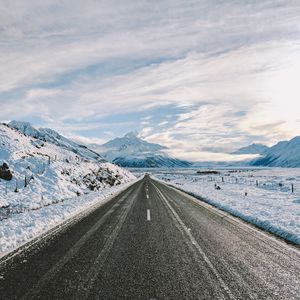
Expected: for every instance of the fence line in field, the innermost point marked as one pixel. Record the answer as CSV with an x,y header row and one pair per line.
x,y
250,182
16,184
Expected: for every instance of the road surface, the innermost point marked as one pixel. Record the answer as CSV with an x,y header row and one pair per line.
x,y
153,242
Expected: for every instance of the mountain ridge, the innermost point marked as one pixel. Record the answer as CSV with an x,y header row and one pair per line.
x,y
132,151
254,148
282,154
51,136
37,168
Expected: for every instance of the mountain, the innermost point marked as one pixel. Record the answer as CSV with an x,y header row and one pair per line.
x,y
39,167
252,149
128,146
131,151
284,154
53,137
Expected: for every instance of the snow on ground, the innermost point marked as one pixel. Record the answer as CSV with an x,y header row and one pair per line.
x,y
269,202
45,173
50,179
21,228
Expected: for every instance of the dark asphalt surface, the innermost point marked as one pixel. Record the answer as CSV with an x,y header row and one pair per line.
x,y
153,242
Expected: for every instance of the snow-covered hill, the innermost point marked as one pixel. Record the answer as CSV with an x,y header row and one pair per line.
x,y
53,137
283,154
131,151
252,149
47,168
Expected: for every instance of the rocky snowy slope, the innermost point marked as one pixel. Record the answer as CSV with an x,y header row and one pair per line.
x,y
47,168
284,154
51,136
131,151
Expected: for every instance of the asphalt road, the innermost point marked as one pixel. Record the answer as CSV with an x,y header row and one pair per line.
x,y
153,242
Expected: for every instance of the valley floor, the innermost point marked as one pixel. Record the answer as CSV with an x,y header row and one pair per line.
x,y
263,197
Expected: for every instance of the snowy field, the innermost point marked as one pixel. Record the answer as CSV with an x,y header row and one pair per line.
x,y
268,198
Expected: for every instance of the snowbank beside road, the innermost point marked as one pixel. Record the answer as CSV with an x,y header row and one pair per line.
x,y
21,228
277,211
45,179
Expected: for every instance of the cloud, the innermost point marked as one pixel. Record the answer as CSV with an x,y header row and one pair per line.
x,y
196,156
163,123
230,78
86,141
145,131
42,93
48,38
232,68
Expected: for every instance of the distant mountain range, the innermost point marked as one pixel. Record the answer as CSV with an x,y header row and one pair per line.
x,y
132,151
252,149
283,154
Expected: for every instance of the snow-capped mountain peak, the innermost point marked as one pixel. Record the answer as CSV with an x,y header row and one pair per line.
x,y
130,145
132,151
283,154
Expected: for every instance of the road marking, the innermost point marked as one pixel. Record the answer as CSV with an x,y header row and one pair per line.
x,y
72,251
58,229
271,241
147,196
148,215
185,229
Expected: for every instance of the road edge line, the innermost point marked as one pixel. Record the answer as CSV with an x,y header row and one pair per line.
x,y
197,246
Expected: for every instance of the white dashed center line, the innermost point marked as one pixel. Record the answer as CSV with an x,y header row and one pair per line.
x,y
148,215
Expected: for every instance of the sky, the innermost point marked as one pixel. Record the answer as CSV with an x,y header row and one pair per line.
x,y
201,77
